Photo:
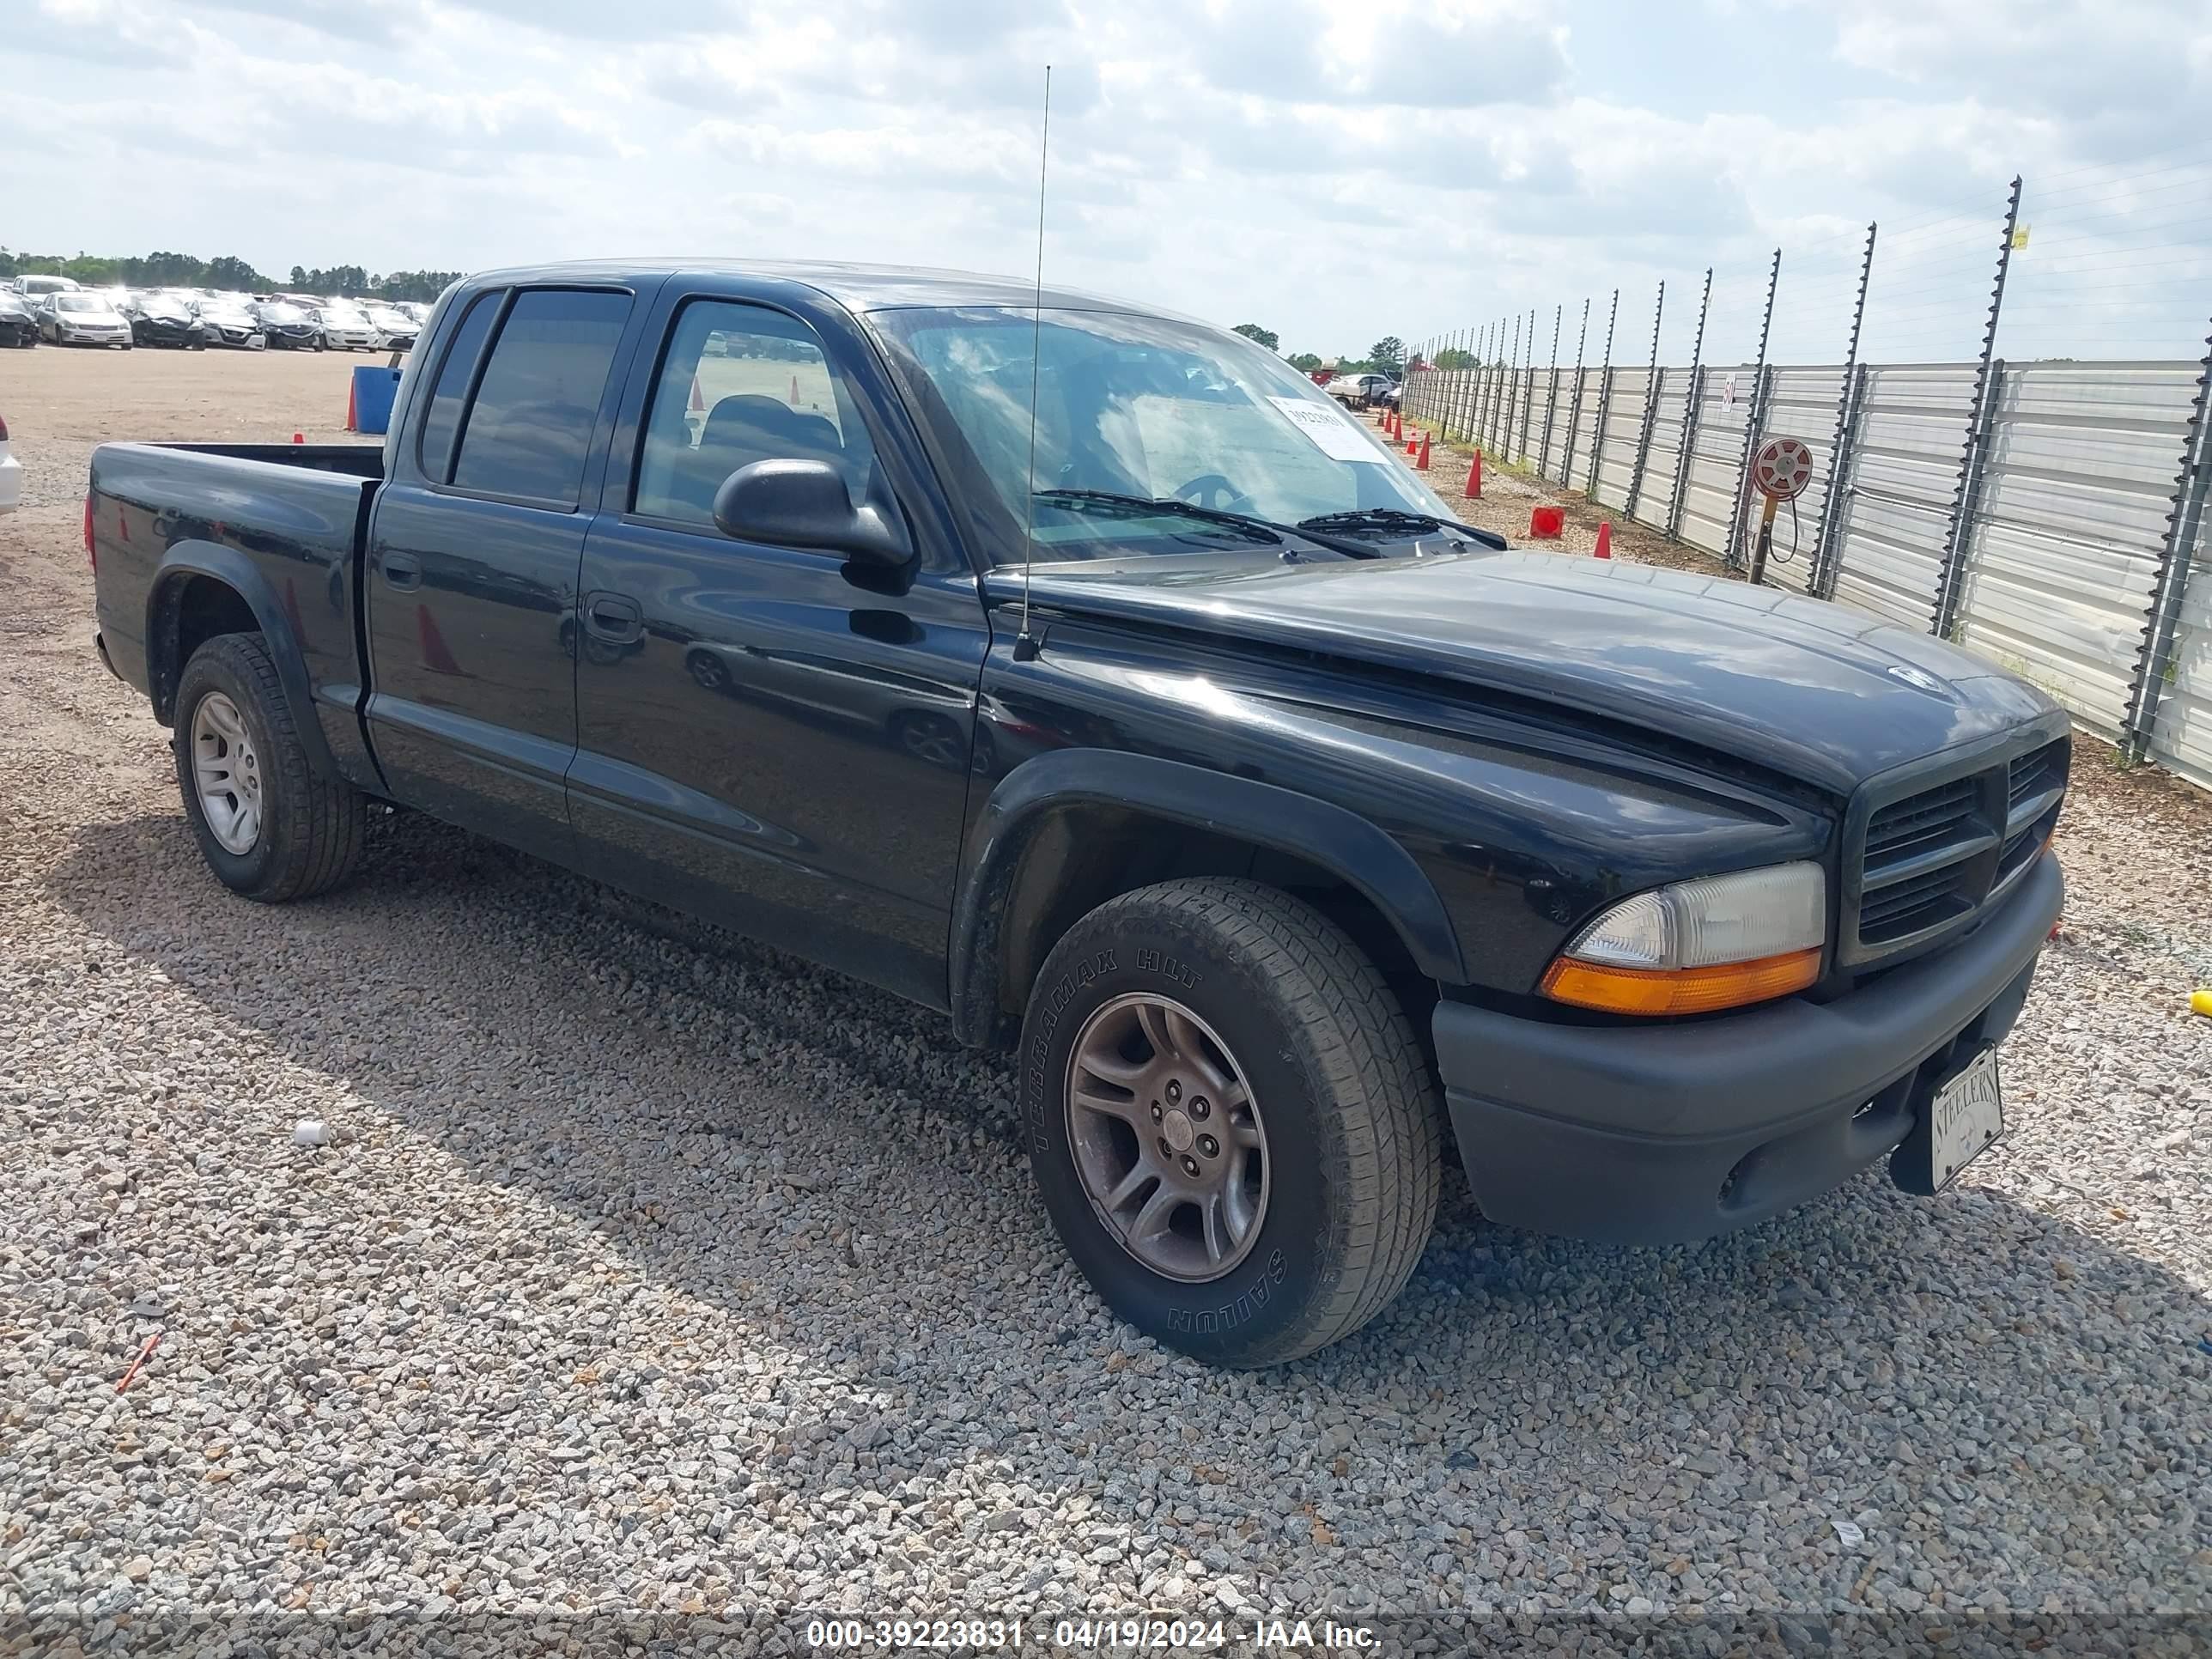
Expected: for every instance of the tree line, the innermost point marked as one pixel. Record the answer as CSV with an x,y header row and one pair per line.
x,y
1386,353
229,273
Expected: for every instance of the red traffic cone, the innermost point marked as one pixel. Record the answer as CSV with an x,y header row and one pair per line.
x,y
299,437
1412,445
698,405
1422,464
1474,477
353,410
1604,547
794,392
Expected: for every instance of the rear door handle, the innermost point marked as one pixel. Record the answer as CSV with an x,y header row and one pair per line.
x,y
402,570
615,617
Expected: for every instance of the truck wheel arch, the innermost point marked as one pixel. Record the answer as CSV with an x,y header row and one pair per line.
x,y
202,589
1019,890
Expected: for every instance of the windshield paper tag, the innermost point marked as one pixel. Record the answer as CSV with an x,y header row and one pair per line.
x,y
1332,435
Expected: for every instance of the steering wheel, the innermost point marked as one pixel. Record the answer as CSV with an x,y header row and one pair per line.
x,y
1213,491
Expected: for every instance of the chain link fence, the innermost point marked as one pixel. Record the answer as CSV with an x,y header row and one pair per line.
x,y
1986,475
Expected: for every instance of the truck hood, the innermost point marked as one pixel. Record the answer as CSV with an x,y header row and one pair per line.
x,y
1816,691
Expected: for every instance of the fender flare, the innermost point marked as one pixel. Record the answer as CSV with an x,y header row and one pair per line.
x,y
1358,852
227,565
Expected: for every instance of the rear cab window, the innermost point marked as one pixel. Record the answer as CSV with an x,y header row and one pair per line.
x,y
523,432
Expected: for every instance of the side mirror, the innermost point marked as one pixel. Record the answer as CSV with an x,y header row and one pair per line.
x,y
795,503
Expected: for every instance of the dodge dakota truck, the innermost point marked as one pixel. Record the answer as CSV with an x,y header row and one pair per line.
x,y
1086,674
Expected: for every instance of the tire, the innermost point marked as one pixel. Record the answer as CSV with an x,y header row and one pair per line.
x,y
1349,1114
312,828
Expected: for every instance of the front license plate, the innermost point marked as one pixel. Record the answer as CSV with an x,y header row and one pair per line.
x,y
1966,1116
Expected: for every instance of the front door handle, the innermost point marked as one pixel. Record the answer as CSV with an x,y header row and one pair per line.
x,y
615,617
402,570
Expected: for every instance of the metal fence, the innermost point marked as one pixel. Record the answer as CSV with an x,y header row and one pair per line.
x,y
2050,516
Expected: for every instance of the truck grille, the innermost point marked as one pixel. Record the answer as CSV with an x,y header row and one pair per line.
x,y
1929,859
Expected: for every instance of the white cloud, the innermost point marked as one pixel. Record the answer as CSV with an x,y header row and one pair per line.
x,y
1335,168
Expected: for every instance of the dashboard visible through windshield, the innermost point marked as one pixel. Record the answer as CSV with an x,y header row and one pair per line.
x,y
1135,408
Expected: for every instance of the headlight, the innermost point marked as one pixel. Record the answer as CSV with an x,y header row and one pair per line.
x,y
1718,942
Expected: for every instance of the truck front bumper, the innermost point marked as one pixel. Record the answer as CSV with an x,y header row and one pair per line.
x,y
1673,1133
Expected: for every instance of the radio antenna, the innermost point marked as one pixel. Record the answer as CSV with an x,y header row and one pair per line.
x,y
1025,645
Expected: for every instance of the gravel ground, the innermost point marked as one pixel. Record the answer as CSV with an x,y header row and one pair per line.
x,y
647,1273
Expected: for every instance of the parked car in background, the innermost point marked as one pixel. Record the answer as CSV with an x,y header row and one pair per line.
x,y
19,323
288,326
228,319
11,474
395,329
1363,391
75,318
166,319
35,289
345,326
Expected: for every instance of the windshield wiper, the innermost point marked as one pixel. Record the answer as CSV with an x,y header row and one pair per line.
x,y
1391,518
1260,530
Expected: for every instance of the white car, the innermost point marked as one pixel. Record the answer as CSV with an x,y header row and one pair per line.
x,y
11,475
75,318
395,328
346,326
35,289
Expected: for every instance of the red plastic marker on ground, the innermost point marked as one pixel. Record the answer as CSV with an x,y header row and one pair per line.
x,y
1604,547
152,1343
1474,477
1421,464
299,437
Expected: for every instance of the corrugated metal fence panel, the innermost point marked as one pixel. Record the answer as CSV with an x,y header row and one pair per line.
x,y
1657,493
1717,458
1892,530
1586,425
2069,524
2181,736
1553,400
1624,422
1804,406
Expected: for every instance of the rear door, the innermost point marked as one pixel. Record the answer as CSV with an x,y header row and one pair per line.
x,y
767,735
473,555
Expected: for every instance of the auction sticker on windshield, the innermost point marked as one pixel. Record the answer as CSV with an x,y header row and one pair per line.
x,y
1334,435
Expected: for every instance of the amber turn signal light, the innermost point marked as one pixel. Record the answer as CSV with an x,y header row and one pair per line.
x,y
1650,991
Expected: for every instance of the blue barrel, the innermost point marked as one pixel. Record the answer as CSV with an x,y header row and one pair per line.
x,y
374,390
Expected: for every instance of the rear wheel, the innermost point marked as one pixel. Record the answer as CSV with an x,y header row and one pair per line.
x,y
269,826
1230,1120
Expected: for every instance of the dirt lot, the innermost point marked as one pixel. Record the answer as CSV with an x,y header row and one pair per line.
x,y
649,1273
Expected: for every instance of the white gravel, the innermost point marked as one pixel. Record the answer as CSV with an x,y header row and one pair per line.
x,y
644,1272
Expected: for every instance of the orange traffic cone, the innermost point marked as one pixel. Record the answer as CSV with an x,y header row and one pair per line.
x,y
1604,547
1474,477
353,411
698,405
1422,464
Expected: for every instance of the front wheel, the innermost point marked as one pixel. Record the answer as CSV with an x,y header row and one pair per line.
x,y
1230,1120
269,826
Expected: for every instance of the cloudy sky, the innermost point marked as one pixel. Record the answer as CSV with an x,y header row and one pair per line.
x,y
1333,169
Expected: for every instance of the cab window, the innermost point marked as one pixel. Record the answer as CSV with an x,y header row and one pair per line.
x,y
740,383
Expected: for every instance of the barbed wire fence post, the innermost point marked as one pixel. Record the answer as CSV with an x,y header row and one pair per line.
x,y
1575,408
2154,661
1604,398
1821,582
1552,396
1751,426
1651,410
1528,387
1987,373
1686,450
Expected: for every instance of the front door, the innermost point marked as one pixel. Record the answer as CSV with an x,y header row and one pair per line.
x,y
766,736
473,564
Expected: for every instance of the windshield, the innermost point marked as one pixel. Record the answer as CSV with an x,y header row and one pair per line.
x,y
344,315
283,314
81,303
1133,406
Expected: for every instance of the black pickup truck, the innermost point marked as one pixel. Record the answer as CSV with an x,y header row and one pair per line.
x,y
1087,674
